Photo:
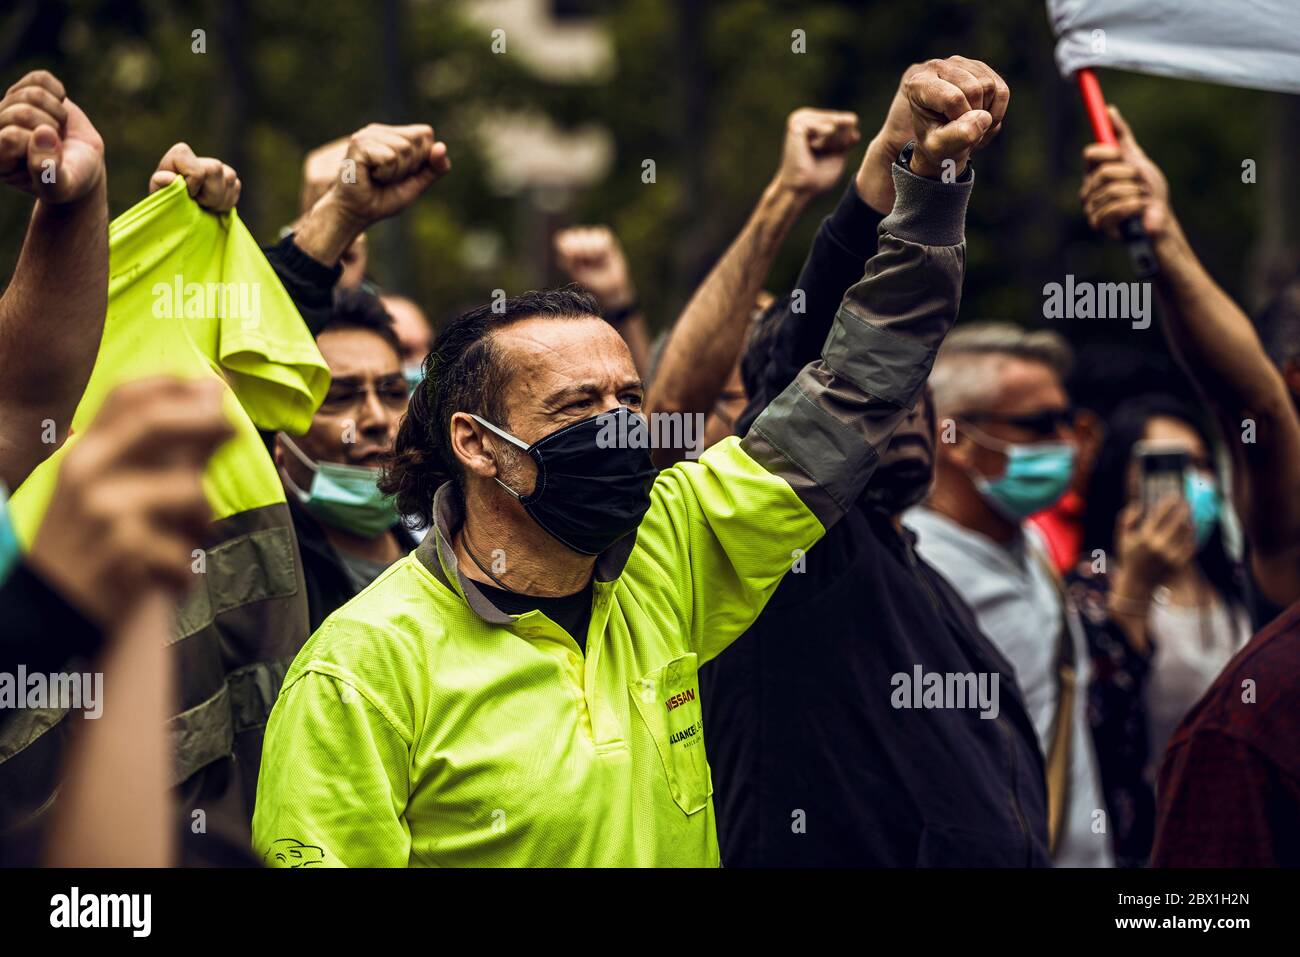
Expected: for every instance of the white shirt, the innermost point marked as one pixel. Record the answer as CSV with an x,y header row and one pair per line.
x,y
1191,648
1016,601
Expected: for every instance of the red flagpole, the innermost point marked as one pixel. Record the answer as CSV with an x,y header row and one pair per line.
x,y
1135,237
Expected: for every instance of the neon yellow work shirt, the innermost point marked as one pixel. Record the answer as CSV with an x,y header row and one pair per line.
x,y
420,727
191,295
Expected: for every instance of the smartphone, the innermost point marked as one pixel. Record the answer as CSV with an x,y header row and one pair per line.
x,y
1160,471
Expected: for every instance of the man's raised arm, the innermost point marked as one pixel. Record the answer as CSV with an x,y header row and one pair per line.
x,y
52,313
825,432
707,339
383,170
742,516
1216,343
843,244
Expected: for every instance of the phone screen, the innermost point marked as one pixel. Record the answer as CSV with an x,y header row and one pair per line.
x,y
1162,473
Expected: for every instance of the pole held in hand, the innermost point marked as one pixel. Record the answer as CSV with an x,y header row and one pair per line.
x,y
1134,235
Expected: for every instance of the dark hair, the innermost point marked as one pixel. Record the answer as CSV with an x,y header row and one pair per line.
x,y
1107,494
462,373
1279,325
1104,372
359,309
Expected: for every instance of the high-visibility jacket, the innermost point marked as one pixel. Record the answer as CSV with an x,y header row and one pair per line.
x,y
423,726
191,295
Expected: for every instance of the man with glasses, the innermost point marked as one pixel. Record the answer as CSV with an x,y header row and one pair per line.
x,y
1005,451
348,531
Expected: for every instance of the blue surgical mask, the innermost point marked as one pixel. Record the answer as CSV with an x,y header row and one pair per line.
x,y
9,550
346,497
1036,476
1204,502
413,372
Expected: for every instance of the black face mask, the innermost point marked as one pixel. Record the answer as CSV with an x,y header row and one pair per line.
x,y
592,487
906,469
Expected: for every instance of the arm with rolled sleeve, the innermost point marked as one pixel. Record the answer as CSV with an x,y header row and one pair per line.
x,y
845,241
727,528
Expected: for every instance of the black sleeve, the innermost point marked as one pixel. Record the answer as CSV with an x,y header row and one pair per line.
x,y
38,629
840,250
310,284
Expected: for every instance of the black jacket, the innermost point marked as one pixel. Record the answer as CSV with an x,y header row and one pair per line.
x,y
812,763
328,584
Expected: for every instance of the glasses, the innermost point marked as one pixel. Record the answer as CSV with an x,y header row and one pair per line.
x,y
392,393
1046,423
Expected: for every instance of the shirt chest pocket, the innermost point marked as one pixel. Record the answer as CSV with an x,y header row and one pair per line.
x,y
668,700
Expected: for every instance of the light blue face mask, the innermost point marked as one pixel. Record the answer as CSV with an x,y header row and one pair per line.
x,y
346,497
1204,502
1036,476
9,550
413,372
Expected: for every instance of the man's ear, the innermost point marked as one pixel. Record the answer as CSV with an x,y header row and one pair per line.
x,y
952,445
470,445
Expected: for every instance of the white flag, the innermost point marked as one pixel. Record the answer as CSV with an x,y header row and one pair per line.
x,y
1251,43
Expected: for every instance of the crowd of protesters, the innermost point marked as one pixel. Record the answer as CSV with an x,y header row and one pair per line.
x,y
366,594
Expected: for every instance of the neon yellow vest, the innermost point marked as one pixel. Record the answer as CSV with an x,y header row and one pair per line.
x,y
191,295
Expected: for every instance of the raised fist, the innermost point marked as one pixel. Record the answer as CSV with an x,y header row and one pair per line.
x,y
48,147
957,105
815,148
211,183
593,258
385,170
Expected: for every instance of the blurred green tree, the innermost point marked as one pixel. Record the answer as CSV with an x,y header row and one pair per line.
x,y
703,89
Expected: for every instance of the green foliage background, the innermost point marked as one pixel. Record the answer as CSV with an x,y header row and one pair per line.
x,y
701,87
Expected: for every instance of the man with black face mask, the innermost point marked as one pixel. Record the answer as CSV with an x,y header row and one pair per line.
x,y
523,689
834,734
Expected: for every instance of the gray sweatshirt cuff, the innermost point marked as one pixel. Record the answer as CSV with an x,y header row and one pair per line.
x,y
928,212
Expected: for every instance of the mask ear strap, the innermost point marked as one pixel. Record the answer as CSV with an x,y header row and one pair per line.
x,y
515,494
293,447
303,494
501,432
984,440
509,438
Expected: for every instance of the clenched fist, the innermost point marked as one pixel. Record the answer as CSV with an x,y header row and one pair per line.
x,y
385,170
48,147
129,506
874,182
815,148
593,258
211,183
957,105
